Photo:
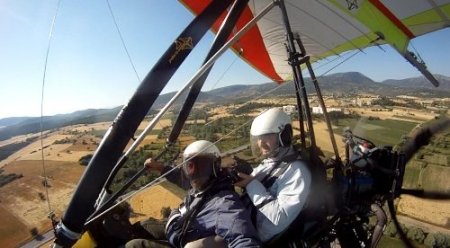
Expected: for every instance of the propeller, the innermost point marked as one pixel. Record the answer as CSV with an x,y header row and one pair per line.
x,y
422,137
397,224
411,146
418,139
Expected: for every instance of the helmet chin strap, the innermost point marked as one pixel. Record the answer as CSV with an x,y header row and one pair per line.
x,y
215,168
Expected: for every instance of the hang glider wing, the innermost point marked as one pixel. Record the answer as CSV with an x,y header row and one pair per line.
x,y
331,27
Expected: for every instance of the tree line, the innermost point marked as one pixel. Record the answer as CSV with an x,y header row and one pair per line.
x,y
416,234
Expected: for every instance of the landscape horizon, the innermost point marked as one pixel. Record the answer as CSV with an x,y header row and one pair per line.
x,y
412,82
69,139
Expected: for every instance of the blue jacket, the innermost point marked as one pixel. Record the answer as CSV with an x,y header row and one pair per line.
x,y
219,213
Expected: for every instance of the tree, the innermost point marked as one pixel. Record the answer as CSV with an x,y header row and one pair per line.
x,y
35,233
165,212
430,241
42,196
435,240
85,159
416,234
383,101
390,230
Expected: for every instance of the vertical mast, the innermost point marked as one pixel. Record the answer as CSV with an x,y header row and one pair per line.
x,y
297,74
295,62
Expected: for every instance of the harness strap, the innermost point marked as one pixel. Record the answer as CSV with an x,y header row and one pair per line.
x,y
270,179
194,207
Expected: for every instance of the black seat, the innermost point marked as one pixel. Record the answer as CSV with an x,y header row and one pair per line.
x,y
301,230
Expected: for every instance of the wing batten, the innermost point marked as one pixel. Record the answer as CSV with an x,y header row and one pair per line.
x,y
376,21
345,20
432,19
328,26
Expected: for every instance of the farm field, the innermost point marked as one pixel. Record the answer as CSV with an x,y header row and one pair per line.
x,y
380,132
149,202
23,202
13,230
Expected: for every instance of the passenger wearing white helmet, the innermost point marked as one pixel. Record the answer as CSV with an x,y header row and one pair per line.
x,y
211,215
278,187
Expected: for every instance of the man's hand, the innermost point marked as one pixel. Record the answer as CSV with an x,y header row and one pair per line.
x,y
153,166
246,179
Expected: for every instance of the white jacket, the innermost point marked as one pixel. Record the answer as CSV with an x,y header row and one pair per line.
x,y
279,205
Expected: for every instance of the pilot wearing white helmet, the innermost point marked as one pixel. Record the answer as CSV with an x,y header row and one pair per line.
x,y
279,186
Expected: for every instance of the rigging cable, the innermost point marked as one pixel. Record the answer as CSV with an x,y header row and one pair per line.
x,y
51,214
328,61
326,25
226,70
122,40
340,63
159,179
162,177
284,84
239,53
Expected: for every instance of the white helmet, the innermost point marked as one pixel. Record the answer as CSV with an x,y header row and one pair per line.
x,y
272,121
208,166
200,147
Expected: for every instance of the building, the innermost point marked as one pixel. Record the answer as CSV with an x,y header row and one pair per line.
x,y
289,109
318,110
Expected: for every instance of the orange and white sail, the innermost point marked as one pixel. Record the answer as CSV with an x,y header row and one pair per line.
x,y
331,27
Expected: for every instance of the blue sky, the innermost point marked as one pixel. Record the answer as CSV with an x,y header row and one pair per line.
x,y
88,67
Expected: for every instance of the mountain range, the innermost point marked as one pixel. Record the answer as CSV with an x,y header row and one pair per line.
x,y
340,83
349,83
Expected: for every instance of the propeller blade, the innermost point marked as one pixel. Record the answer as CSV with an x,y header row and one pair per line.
x,y
432,195
422,137
397,225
